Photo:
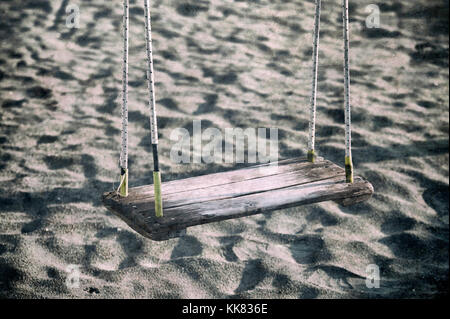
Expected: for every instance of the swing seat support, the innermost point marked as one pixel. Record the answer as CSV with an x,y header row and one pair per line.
x,y
233,194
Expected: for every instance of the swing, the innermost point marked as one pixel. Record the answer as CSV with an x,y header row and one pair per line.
x,y
238,193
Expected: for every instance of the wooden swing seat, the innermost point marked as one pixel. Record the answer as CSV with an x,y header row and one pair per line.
x,y
233,194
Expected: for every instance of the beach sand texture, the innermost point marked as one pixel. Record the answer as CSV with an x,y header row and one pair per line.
x,y
229,64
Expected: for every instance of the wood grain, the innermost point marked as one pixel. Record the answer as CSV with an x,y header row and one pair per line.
x,y
233,194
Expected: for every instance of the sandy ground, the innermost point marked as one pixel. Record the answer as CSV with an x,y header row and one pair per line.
x,y
231,64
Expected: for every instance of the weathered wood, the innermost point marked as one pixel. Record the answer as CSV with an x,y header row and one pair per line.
x,y
248,191
215,179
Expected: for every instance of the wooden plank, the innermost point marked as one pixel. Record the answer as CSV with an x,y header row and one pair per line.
x,y
235,194
198,194
222,178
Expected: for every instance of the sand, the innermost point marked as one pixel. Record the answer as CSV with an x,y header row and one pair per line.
x,y
230,64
